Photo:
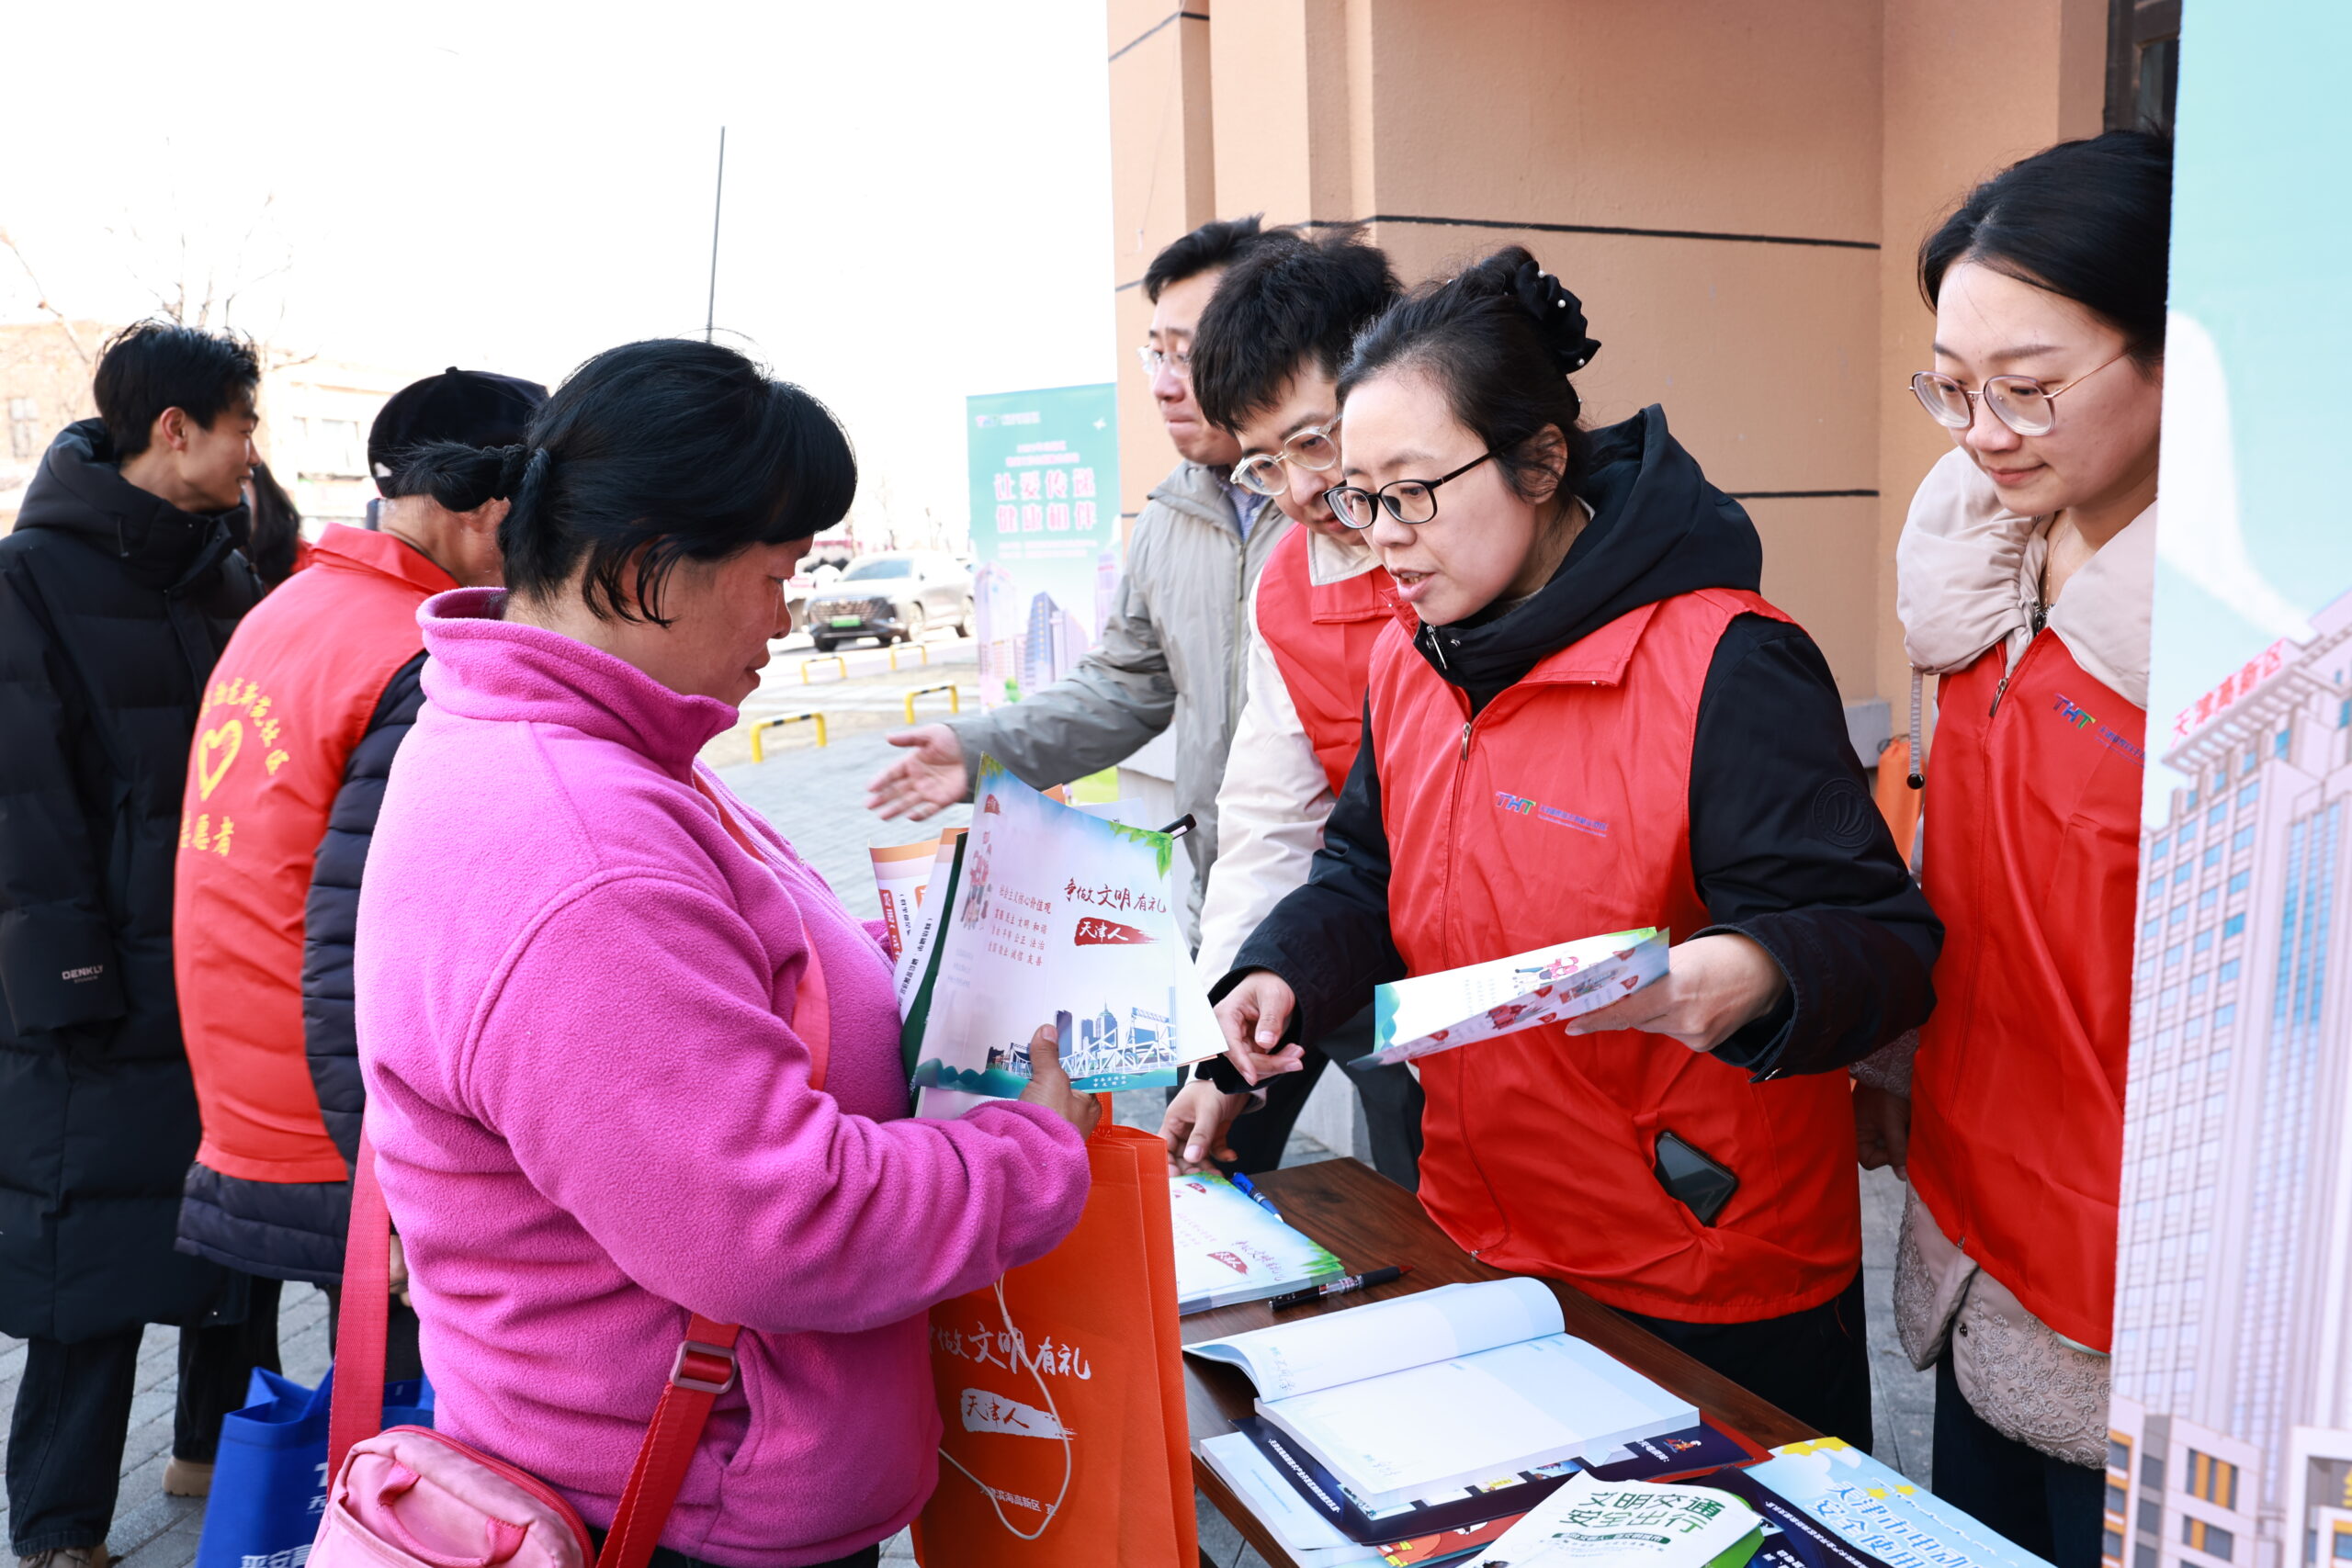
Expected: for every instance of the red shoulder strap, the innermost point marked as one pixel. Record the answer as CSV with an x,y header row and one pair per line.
x,y
702,1370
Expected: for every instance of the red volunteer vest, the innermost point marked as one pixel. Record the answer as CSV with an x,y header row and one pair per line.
x,y
1322,640
287,703
2033,859
1562,812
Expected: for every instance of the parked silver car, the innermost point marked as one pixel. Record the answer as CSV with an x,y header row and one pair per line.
x,y
894,597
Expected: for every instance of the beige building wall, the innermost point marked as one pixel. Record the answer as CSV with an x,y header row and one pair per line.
x,y
1735,191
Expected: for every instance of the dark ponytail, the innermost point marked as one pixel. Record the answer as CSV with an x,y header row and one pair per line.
x,y
650,454
2090,220
457,475
1501,339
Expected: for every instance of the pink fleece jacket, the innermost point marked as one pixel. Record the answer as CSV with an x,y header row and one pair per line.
x,y
591,1112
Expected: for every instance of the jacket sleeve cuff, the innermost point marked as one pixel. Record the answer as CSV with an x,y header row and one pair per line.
x,y
59,968
1760,1046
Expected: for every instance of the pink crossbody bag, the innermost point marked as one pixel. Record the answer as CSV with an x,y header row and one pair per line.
x,y
411,1497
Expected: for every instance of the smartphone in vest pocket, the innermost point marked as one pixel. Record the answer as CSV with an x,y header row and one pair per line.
x,y
1698,1183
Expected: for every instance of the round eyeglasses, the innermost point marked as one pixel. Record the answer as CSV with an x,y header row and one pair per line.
x,y
1408,501
2022,403
1313,448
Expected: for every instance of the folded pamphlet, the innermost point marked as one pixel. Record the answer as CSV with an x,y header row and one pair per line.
x,y
1444,1389
902,872
1045,909
1591,1523
1230,1248
1480,1001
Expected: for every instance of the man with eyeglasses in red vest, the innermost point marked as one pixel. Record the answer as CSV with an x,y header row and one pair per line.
x,y
1265,367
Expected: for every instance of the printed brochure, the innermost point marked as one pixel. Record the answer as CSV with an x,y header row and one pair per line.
x,y
1631,1524
1481,1001
1230,1249
1048,909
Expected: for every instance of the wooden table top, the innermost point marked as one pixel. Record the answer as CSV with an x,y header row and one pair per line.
x,y
1371,1222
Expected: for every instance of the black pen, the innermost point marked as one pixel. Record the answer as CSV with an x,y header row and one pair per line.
x,y
1341,1285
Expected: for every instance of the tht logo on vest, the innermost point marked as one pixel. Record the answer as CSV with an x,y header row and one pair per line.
x,y
1520,805
2072,713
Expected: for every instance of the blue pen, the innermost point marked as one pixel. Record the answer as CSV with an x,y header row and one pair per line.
x,y
1249,1191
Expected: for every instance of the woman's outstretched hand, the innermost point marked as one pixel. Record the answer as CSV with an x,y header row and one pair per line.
x,y
1252,1017
1714,986
1049,1086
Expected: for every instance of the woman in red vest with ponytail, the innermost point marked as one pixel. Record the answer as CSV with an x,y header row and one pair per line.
x,y
1586,719
2024,577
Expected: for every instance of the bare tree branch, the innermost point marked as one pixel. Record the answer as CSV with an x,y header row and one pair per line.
x,y
41,300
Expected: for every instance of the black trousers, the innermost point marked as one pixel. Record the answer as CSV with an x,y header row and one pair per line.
x,y
72,1415
2052,1509
1391,1108
1815,1364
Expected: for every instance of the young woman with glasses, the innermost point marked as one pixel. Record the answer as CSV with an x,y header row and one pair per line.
x,y
2023,579
1588,720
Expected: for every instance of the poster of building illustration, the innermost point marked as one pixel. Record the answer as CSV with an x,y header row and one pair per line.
x,y
1045,472
2231,1438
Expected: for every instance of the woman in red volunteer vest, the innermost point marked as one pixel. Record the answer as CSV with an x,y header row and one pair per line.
x,y
2024,579
1590,721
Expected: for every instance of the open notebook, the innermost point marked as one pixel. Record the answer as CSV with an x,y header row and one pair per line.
x,y
1445,1388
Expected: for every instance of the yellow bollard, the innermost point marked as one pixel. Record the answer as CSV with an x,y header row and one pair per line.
x,y
832,659
954,698
759,751
921,649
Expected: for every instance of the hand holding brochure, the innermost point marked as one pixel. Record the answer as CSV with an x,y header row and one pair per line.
x,y
1045,909
1480,1001
1405,1398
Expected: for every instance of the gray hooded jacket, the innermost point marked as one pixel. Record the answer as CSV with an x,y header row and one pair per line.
x,y
1173,651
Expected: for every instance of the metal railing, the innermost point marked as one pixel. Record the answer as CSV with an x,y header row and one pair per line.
x,y
759,751
954,698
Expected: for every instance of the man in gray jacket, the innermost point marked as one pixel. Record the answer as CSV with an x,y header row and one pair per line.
x,y
1173,649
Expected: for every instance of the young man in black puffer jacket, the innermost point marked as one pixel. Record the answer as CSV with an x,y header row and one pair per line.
x,y
117,590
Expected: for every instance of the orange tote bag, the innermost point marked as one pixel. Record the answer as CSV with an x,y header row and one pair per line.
x,y
1061,1389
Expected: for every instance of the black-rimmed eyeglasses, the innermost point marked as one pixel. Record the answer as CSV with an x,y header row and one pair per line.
x,y
1409,501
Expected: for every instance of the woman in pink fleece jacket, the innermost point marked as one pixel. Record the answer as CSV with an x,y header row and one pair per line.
x,y
577,985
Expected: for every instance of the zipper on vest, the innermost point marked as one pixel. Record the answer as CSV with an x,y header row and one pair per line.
x,y
1999,693
1466,741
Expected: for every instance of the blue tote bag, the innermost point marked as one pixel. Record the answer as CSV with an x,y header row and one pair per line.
x,y
269,1483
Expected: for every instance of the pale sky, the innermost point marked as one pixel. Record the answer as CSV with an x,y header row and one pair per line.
x,y
917,205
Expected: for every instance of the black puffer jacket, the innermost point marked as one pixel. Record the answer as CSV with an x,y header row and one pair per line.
x,y
295,1230
114,607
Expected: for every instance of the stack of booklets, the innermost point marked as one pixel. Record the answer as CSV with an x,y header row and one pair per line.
x,y
1231,1248
1414,1429
1481,1001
